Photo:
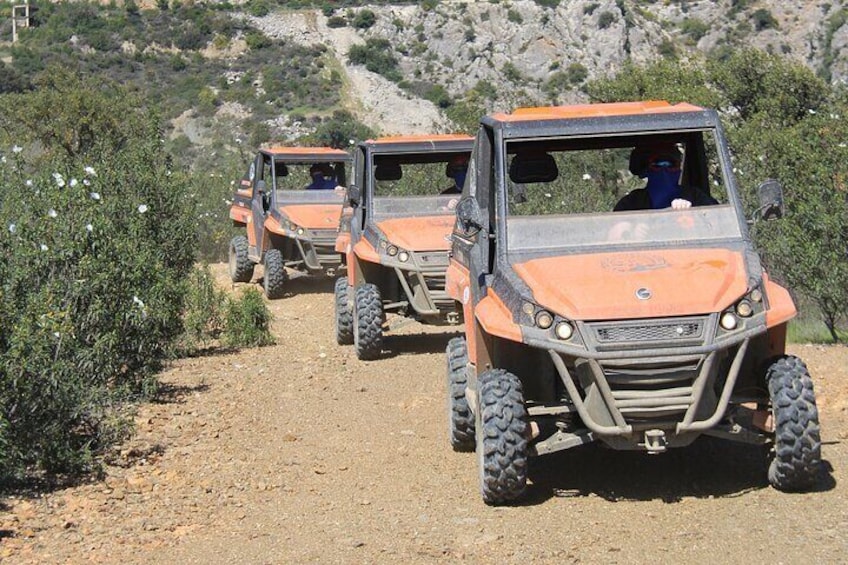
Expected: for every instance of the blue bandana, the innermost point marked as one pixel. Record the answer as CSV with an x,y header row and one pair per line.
x,y
663,188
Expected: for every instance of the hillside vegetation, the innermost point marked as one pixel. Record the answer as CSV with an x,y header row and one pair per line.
x,y
121,128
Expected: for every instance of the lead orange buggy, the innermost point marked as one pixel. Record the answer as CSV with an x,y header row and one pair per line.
x,y
396,237
289,225
640,329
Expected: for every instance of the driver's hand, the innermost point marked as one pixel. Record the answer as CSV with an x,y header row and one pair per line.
x,y
680,204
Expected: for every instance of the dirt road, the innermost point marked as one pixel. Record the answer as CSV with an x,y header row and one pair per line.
x,y
301,453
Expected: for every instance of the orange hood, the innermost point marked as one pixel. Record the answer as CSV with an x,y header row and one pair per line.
x,y
314,216
603,286
429,233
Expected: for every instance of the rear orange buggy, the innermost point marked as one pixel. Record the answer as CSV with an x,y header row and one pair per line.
x,y
640,329
398,237
288,225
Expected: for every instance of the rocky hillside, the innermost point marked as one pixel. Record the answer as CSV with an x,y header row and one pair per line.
x,y
527,51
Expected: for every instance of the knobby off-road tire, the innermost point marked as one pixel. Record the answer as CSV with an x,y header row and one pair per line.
x,y
240,265
501,432
460,418
344,313
274,280
368,322
797,438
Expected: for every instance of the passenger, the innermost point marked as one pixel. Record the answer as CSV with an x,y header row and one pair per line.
x,y
322,177
661,166
457,169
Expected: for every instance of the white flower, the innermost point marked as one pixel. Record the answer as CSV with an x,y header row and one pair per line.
x,y
351,141
142,208
43,247
2,158
28,182
587,176
12,228
52,213
137,301
74,182
60,180
89,228
842,144
547,195
167,173
86,182
17,149
90,171
94,195
811,111
57,335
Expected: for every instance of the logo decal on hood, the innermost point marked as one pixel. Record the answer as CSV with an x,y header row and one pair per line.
x,y
644,294
634,263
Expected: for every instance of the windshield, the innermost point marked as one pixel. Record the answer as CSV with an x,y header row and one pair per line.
x,y
417,184
625,190
287,197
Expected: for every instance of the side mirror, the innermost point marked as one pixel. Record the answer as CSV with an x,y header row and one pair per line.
x,y
353,195
770,193
469,216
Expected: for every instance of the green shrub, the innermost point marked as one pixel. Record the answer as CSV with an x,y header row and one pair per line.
x,y
204,309
247,321
364,19
377,57
694,28
606,19
514,16
258,8
763,19
336,21
590,8
97,241
257,40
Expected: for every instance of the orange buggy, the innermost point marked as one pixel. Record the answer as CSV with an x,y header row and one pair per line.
x,y
398,237
639,329
288,225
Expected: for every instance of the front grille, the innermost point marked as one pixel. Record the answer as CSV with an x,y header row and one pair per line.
x,y
325,237
666,331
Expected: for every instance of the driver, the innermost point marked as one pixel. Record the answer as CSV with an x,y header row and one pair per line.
x,y
457,169
321,177
660,164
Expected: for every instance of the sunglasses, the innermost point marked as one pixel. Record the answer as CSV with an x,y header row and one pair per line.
x,y
659,164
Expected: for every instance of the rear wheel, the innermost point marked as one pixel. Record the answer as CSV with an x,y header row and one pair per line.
x,y
240,265
368,322
797,438
501,434
344,313
460,418
274,280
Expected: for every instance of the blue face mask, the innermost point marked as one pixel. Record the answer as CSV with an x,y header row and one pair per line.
x,y
459,178
662,187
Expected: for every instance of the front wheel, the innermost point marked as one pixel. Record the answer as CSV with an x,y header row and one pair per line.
x,y
274,279
460,418
501,433
368,322
240,265
797,438
344,313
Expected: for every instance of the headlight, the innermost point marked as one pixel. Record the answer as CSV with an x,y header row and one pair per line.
x,y
392,250
564,330
728,321
299,231
544,319
756,295
403,256
292,226
744,309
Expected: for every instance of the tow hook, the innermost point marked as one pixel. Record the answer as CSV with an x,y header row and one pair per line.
x,y
655,441
452,318
331,273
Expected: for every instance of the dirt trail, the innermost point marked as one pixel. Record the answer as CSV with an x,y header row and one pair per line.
x,y
301,453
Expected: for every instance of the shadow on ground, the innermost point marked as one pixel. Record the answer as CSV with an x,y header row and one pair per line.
x,y
412,344
708,468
